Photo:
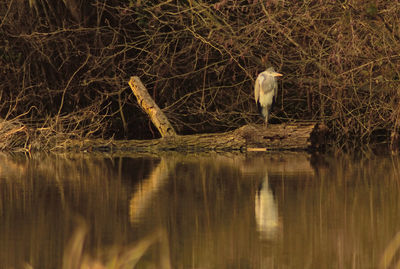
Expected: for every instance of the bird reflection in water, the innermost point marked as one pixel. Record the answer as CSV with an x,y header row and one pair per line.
x,y
266,211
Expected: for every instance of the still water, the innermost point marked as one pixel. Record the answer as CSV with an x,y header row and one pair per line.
x,y
288,210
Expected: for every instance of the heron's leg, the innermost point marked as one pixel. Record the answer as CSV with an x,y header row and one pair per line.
x,y
266,116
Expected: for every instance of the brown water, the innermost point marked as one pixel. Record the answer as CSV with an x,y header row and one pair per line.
x,y
208,211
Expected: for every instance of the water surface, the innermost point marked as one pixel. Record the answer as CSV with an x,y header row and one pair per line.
x,y
288,210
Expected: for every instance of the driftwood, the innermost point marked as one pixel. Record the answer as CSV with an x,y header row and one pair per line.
x,y
293,136
299,136
288,136
151,108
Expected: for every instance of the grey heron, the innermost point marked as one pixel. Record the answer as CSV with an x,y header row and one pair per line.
x,y
265,91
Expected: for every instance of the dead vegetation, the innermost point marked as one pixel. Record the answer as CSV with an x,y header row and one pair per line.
x,y
65,66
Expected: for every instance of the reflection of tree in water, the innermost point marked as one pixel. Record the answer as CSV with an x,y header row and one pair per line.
x,y
202,212
197,200
207,205
148,188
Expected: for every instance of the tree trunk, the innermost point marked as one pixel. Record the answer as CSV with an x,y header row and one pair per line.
x,y
277,137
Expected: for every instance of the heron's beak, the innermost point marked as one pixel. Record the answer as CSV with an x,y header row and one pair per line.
x,y
277,74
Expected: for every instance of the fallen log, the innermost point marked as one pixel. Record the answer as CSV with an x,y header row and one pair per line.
x,y
292,136
278,137
287,136
275,137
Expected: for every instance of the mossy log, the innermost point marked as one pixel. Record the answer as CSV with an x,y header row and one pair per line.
x,y
277,137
